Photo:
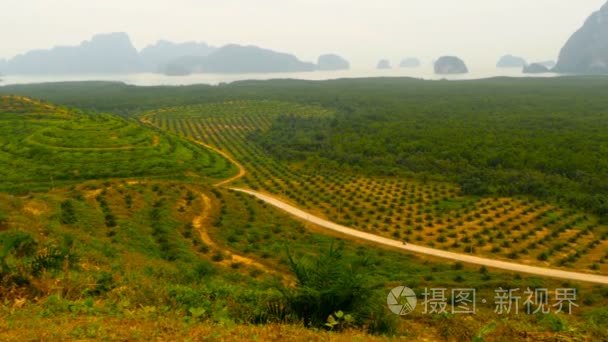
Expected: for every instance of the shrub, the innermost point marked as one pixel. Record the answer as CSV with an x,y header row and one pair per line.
x,y
552,322
17,243
3,219
104,283
543,256
457,266
129,201
68,214
21,259
110,220
330,284
49,258
217,257
186,297
598,321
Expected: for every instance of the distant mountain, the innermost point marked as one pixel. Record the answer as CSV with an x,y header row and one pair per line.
x,y
450,65
384,64
156,57
548,64
330,62
510,61
586,51
252,59
104,53
536,68
114,53
241,59
410,62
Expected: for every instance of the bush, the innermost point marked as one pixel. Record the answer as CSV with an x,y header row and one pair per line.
x,y
17,243
3,219
598,321
217,257
21,259
49,258
543,256
68,214
104,283
330,284
185,297
457,266
552,322
203,268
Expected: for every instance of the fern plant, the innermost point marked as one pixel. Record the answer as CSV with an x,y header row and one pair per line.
x,y
339,321
17,243
21,258
325,286
50,258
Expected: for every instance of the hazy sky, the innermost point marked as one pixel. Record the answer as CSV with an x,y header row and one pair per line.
x,y
361,30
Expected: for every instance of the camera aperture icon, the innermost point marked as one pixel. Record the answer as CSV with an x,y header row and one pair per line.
x,y
401,300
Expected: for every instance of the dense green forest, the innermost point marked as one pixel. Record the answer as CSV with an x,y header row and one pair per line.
x,y
346,94
549,150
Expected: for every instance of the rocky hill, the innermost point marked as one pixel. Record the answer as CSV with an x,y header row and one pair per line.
x,y
586,52
104,53
156,57
450,65
510,61
114,53
536,68
384,64
331,62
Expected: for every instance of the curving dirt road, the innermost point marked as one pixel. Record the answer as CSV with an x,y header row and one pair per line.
x,y
242,171
201,221
509,266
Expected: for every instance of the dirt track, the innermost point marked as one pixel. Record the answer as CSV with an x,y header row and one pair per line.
x,y
200,222
242,171
471,259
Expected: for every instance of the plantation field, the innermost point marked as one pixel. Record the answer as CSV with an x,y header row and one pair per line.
x,y
123,225
426,212
42,146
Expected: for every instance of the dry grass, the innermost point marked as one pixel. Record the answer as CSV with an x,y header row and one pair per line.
x,y
90,328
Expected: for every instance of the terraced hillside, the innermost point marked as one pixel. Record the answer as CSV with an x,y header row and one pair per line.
x,y
42,146
417,210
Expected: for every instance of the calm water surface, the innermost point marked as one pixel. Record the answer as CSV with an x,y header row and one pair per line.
x,y
150,79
